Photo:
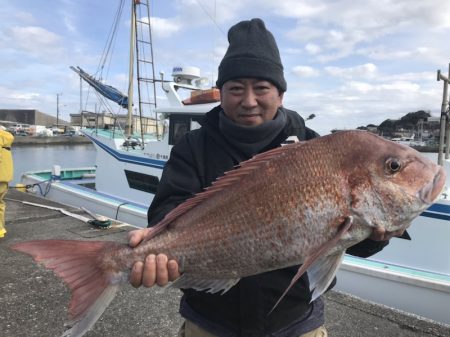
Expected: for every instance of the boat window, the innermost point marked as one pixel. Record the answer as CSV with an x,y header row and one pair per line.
x,y
180,125
142,182
179,130
195,125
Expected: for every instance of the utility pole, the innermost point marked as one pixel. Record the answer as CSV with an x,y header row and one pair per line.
x,y
81,102
57,109
444,118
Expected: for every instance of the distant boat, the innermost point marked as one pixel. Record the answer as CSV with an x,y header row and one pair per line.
x,y
409,141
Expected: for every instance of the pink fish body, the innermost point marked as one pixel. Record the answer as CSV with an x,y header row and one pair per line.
x,y
301,203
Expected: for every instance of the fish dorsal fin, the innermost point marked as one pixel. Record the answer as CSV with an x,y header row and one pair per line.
x,y
232,177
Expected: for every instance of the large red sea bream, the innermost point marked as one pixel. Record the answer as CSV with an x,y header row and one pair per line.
x,y
303,203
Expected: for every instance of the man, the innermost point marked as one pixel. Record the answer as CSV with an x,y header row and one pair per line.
x,y
6,172
249,120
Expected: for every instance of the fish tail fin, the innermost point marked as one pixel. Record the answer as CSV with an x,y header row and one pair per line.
x,y
77,262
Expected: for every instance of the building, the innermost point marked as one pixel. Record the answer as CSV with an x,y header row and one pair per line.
x,y
108,121
28,116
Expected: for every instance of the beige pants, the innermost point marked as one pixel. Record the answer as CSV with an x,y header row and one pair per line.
x,y
3,190
189,329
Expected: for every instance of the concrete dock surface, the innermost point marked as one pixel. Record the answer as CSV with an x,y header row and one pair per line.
x,y
33,300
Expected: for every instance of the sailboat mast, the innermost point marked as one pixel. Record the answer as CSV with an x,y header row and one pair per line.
x,y
129,129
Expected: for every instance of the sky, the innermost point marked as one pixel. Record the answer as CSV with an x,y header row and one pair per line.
x,y
349,62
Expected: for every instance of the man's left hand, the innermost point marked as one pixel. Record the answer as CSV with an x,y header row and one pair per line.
x,y
381,234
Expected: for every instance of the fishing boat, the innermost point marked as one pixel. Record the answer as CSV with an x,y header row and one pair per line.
x,y
413,276
131,152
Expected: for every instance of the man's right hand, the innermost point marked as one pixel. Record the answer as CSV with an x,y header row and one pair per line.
x,y
155,269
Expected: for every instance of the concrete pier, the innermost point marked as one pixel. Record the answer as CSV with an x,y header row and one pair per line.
x,y
33,300
20,141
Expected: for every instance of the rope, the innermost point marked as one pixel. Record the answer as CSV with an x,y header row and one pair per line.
x,y
30,186
118,207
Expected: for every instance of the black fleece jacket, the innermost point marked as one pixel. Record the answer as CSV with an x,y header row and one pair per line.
x,y
195,162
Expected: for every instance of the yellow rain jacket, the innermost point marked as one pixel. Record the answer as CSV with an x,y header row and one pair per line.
x,y
6,162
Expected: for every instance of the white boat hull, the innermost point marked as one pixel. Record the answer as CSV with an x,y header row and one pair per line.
x,y
72,194
409,290
113,161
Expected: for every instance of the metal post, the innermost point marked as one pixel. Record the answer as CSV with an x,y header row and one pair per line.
x,y
81,102
57,110
129,129
443,117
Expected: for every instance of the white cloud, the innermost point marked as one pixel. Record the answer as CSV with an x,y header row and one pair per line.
x,y
384,53
13,98
34,41
312,48
299,9
351,25
305,71
162,27
367,70
25,18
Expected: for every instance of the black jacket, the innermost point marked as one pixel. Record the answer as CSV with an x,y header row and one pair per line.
x,y
195,162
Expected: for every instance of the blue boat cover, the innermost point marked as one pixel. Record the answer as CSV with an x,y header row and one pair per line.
x,y
106,90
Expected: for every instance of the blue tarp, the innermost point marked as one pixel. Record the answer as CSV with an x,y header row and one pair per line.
x,y
106,90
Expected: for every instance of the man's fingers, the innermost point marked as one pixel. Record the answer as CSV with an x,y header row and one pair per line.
x,y
154,270
162,274
136,274
172,267
149,276
135,237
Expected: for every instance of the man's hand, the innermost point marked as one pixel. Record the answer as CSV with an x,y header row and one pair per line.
x,y
155,269
381,234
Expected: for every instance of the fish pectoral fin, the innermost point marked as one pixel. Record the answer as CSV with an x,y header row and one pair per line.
x,y
322,273
212,286
317,255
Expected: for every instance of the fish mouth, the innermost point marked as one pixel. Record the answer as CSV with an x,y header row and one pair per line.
x,y
431,191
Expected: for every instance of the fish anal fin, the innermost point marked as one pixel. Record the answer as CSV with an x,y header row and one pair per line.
x,y
77,263
322,273
317,254
212,286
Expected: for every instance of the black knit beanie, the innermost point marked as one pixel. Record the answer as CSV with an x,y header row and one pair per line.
x,y
252,53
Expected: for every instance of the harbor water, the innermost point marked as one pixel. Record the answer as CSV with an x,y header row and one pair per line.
x,y
32,158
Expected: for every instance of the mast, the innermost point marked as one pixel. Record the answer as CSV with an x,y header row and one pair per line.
x,y
129,129
145,68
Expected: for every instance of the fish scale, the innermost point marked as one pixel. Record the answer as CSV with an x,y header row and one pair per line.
x,y
301,203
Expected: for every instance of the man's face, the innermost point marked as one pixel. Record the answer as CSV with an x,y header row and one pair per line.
x,y
249,101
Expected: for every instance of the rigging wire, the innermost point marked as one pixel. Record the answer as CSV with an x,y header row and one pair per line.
x,y
110,43
213,18
106,59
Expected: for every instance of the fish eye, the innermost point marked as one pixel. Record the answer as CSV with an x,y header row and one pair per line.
x,y
393,165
